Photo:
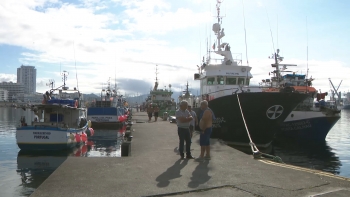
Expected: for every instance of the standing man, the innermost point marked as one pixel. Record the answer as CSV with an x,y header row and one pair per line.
x,y
149,112
194,122
156,112
206,126
183,119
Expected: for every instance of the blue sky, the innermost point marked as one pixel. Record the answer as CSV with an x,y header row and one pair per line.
x,y
98,40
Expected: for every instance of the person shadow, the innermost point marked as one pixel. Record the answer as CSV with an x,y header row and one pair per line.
x,y
172,172
200,175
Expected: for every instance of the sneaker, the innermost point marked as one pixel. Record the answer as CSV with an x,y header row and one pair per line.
x,y
207,157
190,157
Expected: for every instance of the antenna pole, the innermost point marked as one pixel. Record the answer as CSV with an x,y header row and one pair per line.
x,y
307,51
245,37
76,72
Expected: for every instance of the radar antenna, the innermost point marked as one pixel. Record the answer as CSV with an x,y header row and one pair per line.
x,y
64,75
156,83
51,83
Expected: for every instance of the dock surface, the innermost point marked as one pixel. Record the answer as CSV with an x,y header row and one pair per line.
x,y
155,169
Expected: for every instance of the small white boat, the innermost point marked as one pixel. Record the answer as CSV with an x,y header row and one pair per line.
x,y
59,123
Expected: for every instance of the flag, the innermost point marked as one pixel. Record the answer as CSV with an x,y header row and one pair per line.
x,y
214,46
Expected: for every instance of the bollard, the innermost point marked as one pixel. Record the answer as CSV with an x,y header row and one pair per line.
x,y
129,138
126,149
127,133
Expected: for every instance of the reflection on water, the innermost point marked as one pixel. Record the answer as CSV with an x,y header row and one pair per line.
x,y
312,155
34,167
318,156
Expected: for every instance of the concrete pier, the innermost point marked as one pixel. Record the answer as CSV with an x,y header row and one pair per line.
x,y
155,169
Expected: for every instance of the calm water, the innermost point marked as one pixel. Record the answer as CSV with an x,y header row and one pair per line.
x,y
22,172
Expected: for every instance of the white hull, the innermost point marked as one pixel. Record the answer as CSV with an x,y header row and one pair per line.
x,y
47,139
304,115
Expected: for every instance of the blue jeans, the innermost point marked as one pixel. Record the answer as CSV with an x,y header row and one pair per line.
x,y
184,135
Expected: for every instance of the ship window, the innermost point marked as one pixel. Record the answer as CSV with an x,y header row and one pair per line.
x,y
221,80
56,117
211,80
247,81
231,81
240,80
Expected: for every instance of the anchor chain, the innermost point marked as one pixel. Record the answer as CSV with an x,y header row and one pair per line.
x,y
256,153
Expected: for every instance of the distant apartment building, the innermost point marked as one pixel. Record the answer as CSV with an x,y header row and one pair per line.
x,y
4,95
13,89
26,75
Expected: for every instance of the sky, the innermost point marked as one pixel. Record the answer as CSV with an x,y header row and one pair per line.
x,y
123,40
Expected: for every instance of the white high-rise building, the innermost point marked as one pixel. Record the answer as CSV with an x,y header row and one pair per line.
x,y
13,90
4,95
26,75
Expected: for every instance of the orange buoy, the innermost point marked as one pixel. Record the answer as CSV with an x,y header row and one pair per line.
x,y
91,131
77,138
84,137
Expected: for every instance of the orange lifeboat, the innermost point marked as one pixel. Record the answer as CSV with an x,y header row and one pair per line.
x,y
303,89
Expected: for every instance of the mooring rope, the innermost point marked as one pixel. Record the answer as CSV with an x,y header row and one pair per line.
x,y
255,150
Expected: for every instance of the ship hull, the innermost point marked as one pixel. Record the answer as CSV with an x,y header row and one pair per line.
x,y
263,112
104,117
48,138
307,125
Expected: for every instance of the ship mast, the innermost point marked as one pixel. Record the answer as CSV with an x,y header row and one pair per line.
x,y
156,83
218,33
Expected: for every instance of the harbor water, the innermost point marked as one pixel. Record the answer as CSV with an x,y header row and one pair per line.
x,y
22,172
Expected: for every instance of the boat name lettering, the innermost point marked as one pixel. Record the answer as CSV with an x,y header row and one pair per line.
x,y
41,137
217,122
296,126
231,73
42,133
102,119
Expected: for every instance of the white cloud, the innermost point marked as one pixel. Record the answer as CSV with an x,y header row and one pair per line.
x,y
8,78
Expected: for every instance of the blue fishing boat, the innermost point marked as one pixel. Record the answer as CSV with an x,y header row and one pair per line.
x,y
309,120
59,122
110,112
